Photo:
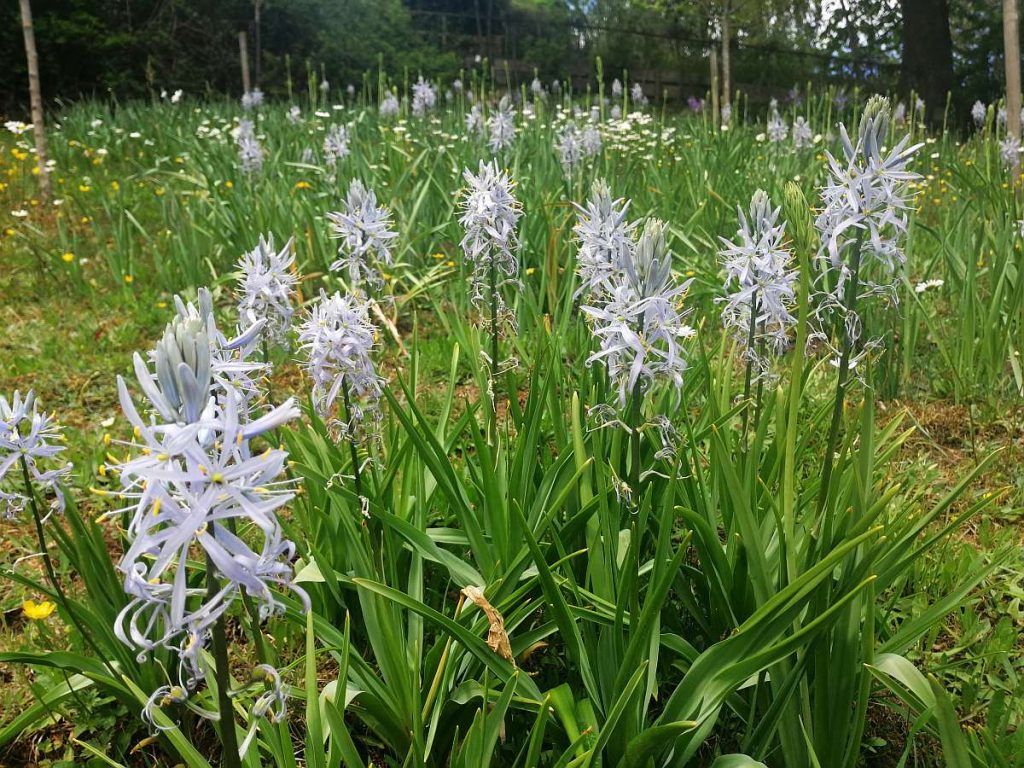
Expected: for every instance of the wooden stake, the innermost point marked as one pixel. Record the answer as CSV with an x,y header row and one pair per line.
x,y
243,53
715,113
726,58
36,99
1011,44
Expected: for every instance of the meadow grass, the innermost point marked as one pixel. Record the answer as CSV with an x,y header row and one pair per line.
x,y
702,617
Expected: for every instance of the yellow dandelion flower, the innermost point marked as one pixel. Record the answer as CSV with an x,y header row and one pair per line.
x,y
68,257
37,611
302,185
229,184
129,279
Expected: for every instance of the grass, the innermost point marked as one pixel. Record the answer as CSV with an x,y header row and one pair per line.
x,y
167,211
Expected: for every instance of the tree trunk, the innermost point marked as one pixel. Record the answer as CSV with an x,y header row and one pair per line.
x,y
1011,42
36,98
927,53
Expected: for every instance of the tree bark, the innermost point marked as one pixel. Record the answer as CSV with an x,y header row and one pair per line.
x,y
1011,42
36,99
927,53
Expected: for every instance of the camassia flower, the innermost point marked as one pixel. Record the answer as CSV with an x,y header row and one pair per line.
x,y
978,113
336,145
490,213
502,126
27,434
777,128
338,340
760,281
605,238
863,219
389,106
266,283
197,491
641,327
424,97
366,233
570,148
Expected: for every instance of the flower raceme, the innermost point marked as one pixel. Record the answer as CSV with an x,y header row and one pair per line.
x,y
338,340
266,284
863,218
197,487
605,238
26,434
760,282
502,126
490,213
641,324
366,232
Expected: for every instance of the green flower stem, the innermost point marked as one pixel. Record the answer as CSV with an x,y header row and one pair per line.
x,y
51,574
222,674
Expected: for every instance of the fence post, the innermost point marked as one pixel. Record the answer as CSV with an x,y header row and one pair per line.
x,y
1011,44
243,53
714,86
726,58
36,98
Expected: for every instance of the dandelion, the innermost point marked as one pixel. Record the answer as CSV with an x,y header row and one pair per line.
x,y
502,126
338,340
424,97
760,283
266,285
336,145
366,232
38,611
605,238
641,327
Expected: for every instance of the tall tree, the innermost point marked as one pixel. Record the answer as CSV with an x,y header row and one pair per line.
x,y
927,53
